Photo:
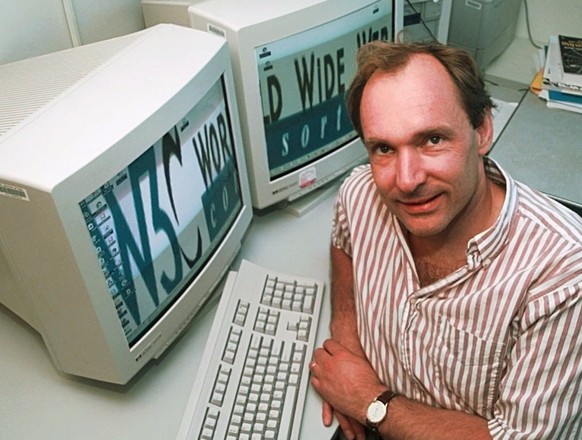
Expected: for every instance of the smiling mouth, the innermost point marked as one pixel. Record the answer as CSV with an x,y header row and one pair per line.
x,y
420,206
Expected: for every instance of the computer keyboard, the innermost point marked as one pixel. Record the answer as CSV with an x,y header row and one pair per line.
x,y
254,374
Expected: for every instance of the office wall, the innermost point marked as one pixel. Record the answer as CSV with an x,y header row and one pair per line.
x,y
34,27
31,27
549,17
101,19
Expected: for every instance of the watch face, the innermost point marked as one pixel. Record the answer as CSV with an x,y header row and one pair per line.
x,y
376,412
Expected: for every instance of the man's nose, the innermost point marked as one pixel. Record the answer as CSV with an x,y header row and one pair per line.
x,y
410,170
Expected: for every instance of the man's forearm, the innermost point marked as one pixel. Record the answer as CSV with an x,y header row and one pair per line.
x,y
349,384
410,420
407,420
343,324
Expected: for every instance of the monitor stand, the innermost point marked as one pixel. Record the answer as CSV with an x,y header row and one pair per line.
x,y
306,203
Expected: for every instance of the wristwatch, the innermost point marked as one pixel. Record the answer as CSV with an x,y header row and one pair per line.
x,y
378,409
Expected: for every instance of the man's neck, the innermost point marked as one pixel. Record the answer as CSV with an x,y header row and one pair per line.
x,y
439,255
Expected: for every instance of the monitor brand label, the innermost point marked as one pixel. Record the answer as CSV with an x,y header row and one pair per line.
x,y
13,192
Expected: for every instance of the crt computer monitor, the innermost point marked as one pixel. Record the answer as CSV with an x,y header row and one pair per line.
x,y
123,194
292,62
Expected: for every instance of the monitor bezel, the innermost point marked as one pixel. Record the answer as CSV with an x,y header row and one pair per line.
x,y
171,322
245,32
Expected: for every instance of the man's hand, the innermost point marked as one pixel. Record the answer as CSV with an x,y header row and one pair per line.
x,y
352,429
347,382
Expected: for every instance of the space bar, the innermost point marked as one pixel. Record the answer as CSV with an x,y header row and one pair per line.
x,y
288,414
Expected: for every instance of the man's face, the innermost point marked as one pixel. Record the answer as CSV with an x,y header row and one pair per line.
x,y
425,156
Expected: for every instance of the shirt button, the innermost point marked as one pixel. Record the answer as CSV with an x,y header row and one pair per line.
x,y
486,263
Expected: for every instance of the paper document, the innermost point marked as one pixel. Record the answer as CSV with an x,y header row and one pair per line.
x,y
501,115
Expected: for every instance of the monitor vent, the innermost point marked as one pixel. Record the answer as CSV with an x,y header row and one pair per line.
x,y
24,91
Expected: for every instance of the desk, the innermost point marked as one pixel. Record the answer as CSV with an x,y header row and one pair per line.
x,y
542,147
38,403
539,146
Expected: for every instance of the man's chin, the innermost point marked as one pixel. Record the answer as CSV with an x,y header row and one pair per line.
x,y
421,227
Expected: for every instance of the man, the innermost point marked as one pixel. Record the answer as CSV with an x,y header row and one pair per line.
x,y
456,291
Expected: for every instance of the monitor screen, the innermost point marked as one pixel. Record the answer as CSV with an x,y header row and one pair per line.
x,y
303,79
156,222
293,63
124,194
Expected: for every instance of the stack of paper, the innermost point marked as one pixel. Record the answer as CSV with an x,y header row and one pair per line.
x,y
562,73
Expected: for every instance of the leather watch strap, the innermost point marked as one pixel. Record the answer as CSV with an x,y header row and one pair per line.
x,y
382,399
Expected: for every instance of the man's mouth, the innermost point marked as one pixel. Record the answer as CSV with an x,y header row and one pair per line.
x,y
421,205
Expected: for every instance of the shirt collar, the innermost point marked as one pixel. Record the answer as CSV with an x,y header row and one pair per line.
x,y
482,248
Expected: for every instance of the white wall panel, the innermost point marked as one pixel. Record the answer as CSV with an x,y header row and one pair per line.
x,y
102,19
548,17
34,27
31,27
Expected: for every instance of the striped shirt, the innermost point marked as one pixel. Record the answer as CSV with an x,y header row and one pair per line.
x,y
501,337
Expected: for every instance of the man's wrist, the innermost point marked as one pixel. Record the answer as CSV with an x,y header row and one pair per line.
x,y
377,410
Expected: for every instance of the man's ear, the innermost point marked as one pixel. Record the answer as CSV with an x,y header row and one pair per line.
x,y
485,134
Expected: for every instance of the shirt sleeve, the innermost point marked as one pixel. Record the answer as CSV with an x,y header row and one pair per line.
x,y
340,236
540,394
356,195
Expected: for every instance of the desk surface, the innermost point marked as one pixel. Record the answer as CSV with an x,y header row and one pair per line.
x,y
36,402
542,147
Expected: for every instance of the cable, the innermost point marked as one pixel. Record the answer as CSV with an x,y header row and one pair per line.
x,y
528,26
72,22
422,20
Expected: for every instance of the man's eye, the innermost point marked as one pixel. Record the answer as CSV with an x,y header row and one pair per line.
x,y
435,140
383,149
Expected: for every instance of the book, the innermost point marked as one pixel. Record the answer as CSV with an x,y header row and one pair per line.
x,y
564,106
554,74
570,61
563,101
571,52
561,76
555,95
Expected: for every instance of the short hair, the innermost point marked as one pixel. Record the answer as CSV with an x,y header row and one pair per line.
x,y
390,57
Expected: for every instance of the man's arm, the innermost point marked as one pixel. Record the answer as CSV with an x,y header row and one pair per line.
x,y
343,328
349,383
343,324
